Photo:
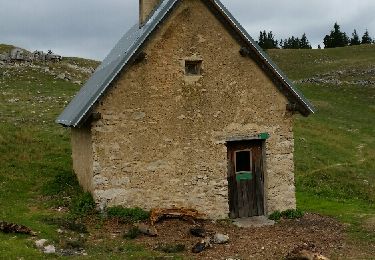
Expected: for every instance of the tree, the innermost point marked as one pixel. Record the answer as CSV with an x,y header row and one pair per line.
x,y
336,38
355,39
267,40
366,39
304,42
296,43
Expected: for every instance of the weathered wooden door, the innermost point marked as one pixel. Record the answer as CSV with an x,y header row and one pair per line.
x,y
245,178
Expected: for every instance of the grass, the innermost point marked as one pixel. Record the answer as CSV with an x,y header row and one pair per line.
x,y
38,187
334,150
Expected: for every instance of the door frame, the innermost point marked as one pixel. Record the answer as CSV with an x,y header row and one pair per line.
x,y
251,143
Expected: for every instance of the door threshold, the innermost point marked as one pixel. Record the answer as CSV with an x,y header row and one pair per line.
x,y
257,221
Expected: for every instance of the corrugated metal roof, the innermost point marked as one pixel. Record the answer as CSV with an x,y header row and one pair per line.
x,y
77,110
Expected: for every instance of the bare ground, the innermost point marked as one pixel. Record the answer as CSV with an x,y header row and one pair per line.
x,y
272,242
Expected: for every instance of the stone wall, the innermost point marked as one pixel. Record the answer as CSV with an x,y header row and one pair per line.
x,y
82,156
161,139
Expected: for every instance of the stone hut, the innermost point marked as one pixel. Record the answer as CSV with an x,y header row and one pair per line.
x,y
187,111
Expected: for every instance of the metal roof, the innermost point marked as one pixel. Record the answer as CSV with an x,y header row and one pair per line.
x,y
78,109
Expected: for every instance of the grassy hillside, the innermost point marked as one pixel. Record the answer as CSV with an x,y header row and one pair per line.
x,y
335,149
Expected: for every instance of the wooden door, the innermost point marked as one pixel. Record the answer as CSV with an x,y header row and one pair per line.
x,y
245,178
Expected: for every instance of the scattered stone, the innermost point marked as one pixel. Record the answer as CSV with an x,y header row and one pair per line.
x,y
61,76
305,252
147,230
198,232
13,100
220,239
50,249
40,243
202,245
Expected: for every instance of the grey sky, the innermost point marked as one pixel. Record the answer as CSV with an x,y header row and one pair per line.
x,y
90,28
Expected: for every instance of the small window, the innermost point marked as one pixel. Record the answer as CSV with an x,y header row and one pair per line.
x,y
193,67
243,161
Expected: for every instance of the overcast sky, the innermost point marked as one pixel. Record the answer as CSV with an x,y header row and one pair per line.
x,y
90,28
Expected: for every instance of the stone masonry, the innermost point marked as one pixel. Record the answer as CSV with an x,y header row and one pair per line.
x,y
161,139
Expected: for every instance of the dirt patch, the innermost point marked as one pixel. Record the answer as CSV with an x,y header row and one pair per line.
x,y
271,242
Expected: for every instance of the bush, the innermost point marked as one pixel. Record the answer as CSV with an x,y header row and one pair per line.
x,y
292,214
276,216
128,214
286,214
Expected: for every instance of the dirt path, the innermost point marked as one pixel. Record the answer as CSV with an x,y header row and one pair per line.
x,y
272,242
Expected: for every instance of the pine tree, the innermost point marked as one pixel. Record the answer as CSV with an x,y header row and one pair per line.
x,y
267,40
366,39
355,39
336,38
261,39
304,42
296,43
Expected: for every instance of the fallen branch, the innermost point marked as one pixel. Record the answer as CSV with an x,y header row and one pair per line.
x,y
180,213
7,228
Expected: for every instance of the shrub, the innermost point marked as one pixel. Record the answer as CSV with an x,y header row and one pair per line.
x,y
276,216
286,214
128,214
292,214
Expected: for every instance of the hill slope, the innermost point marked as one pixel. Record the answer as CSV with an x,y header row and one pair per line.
x,y
335,149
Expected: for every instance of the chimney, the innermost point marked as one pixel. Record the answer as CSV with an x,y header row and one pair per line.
x,y
145,9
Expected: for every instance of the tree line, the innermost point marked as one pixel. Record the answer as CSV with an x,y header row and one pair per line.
x,y
336,38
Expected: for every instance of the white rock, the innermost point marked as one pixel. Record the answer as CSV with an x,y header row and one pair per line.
x,y
49,249
40,243
220,238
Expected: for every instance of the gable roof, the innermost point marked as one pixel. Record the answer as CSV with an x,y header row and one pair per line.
x,y
79,108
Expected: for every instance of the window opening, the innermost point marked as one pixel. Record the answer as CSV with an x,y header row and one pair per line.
x,y
243,161
193,67
243,166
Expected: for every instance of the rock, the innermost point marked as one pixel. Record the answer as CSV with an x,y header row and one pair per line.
x,y
198,232
220,238
305,252
147,230
201,246
50,249
61,76
40,243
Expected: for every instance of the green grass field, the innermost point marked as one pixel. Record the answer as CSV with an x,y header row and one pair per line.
x,y
334,149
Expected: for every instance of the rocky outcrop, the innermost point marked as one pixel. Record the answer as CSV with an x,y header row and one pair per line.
x,y
20,55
